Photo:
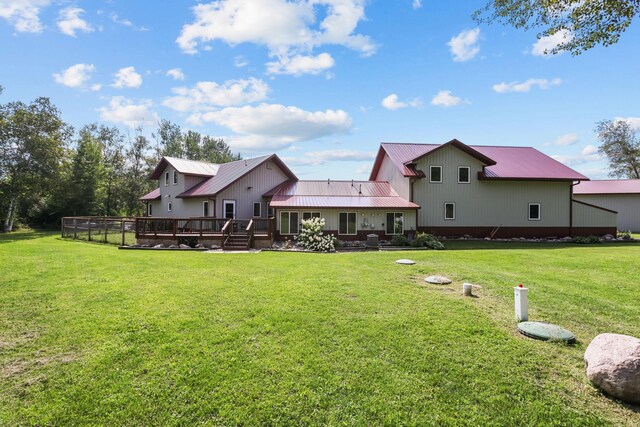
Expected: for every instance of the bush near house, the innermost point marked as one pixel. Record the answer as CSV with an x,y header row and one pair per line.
x,y
312,237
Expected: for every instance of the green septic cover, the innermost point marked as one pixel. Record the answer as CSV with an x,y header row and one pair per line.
x,y
545,331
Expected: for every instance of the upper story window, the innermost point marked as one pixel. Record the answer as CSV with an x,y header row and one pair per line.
x,y
534,211
166,179
175,177
169,206
435,173
464,174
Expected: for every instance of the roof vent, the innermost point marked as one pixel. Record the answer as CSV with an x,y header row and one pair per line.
x,y
360,190
328,181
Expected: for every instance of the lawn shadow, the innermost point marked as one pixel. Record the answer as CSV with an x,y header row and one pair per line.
x,y
470,245
21,235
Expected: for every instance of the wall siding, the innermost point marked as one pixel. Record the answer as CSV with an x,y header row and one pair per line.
x,y
589,216
261,180
486,203
377,217
389,172
627,206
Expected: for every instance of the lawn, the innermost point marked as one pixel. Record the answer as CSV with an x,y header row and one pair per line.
x,y
93,335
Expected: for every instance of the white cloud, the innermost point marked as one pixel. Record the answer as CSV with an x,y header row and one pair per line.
x,y
545,45
125,22
589,150
126,111
288,28
417,4
176,74
392,102
240,61
526,85
564,140
69,21
364,169
127,77
634,122
76,76
24,15
588,154
315,158
464,46
275,125
444,98
301,64
208,95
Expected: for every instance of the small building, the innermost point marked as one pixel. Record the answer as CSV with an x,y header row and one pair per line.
x,y
620,195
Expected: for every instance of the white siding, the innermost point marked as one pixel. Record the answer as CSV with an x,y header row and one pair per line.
x,y
589,216
627,206
390,173
486,203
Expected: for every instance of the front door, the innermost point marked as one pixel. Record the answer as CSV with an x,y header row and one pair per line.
x,y
229,209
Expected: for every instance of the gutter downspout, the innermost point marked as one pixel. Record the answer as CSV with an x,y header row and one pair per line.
x,y
571,208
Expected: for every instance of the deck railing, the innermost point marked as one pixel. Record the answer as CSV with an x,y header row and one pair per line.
x,y
202,227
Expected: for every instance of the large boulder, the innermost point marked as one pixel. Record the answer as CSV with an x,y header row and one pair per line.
x,y
613,365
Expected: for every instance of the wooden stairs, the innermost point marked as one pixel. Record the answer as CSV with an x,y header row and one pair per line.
x,y
237,242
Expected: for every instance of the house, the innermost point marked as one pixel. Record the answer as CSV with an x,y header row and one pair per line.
x,y
450,189
493,191
620,195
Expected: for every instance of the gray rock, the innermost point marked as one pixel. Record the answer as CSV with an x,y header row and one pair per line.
x,y
183,246
613,365
608,237
200,245
173,246
160,246
438,280
487,238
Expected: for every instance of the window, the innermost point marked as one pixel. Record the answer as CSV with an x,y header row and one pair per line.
x,y
534,211
347,223
270,212
166,179
149,209
395,223
257,209
175,177
289,223
309,215
435,173
464,174
205,208
169,206
449,211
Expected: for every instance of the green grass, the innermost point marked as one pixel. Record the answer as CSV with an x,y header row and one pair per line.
x,y
93,335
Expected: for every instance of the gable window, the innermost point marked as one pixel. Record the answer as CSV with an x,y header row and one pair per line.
x,y
449,211
435,173
166,179
175,177
464,174
534,211
395,223
289,223
309,215
169,207
205,208
257,209
347,223
149,209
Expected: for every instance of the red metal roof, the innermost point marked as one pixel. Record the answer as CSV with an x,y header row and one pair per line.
x,y
339,194
228,173
508,162
608,186
153,195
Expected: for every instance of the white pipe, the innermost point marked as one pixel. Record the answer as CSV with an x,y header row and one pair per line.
x,y
521,303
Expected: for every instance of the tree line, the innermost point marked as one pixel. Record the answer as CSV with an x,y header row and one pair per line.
x,y
48,170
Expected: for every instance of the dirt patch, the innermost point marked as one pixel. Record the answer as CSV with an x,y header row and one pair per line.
x,y
19,366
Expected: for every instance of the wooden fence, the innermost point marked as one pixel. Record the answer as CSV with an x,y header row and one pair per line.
x,y
113,230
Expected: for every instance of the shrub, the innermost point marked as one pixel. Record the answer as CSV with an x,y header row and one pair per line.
x,y
312,238
427,240
587,240
399,240
189,241
624,235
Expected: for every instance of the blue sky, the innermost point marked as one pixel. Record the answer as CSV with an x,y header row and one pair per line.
x,y
321,83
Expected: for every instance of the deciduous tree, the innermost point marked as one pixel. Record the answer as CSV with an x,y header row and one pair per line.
x,y
621,144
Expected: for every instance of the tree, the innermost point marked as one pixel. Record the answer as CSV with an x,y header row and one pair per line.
x,y
32,146
215,150
585,23
136,177
170,140
87,175
621,145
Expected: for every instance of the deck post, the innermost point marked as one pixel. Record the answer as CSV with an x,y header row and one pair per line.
x,y
89,228
106,225
175,226
200,227
75,228
122,230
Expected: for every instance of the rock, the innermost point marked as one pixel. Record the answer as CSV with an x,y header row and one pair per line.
x,y
135,246
160,246
214,247
173,246
467,236
438,280
405,262
487,238
183,246
200,245
613,365
608,237
567,239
